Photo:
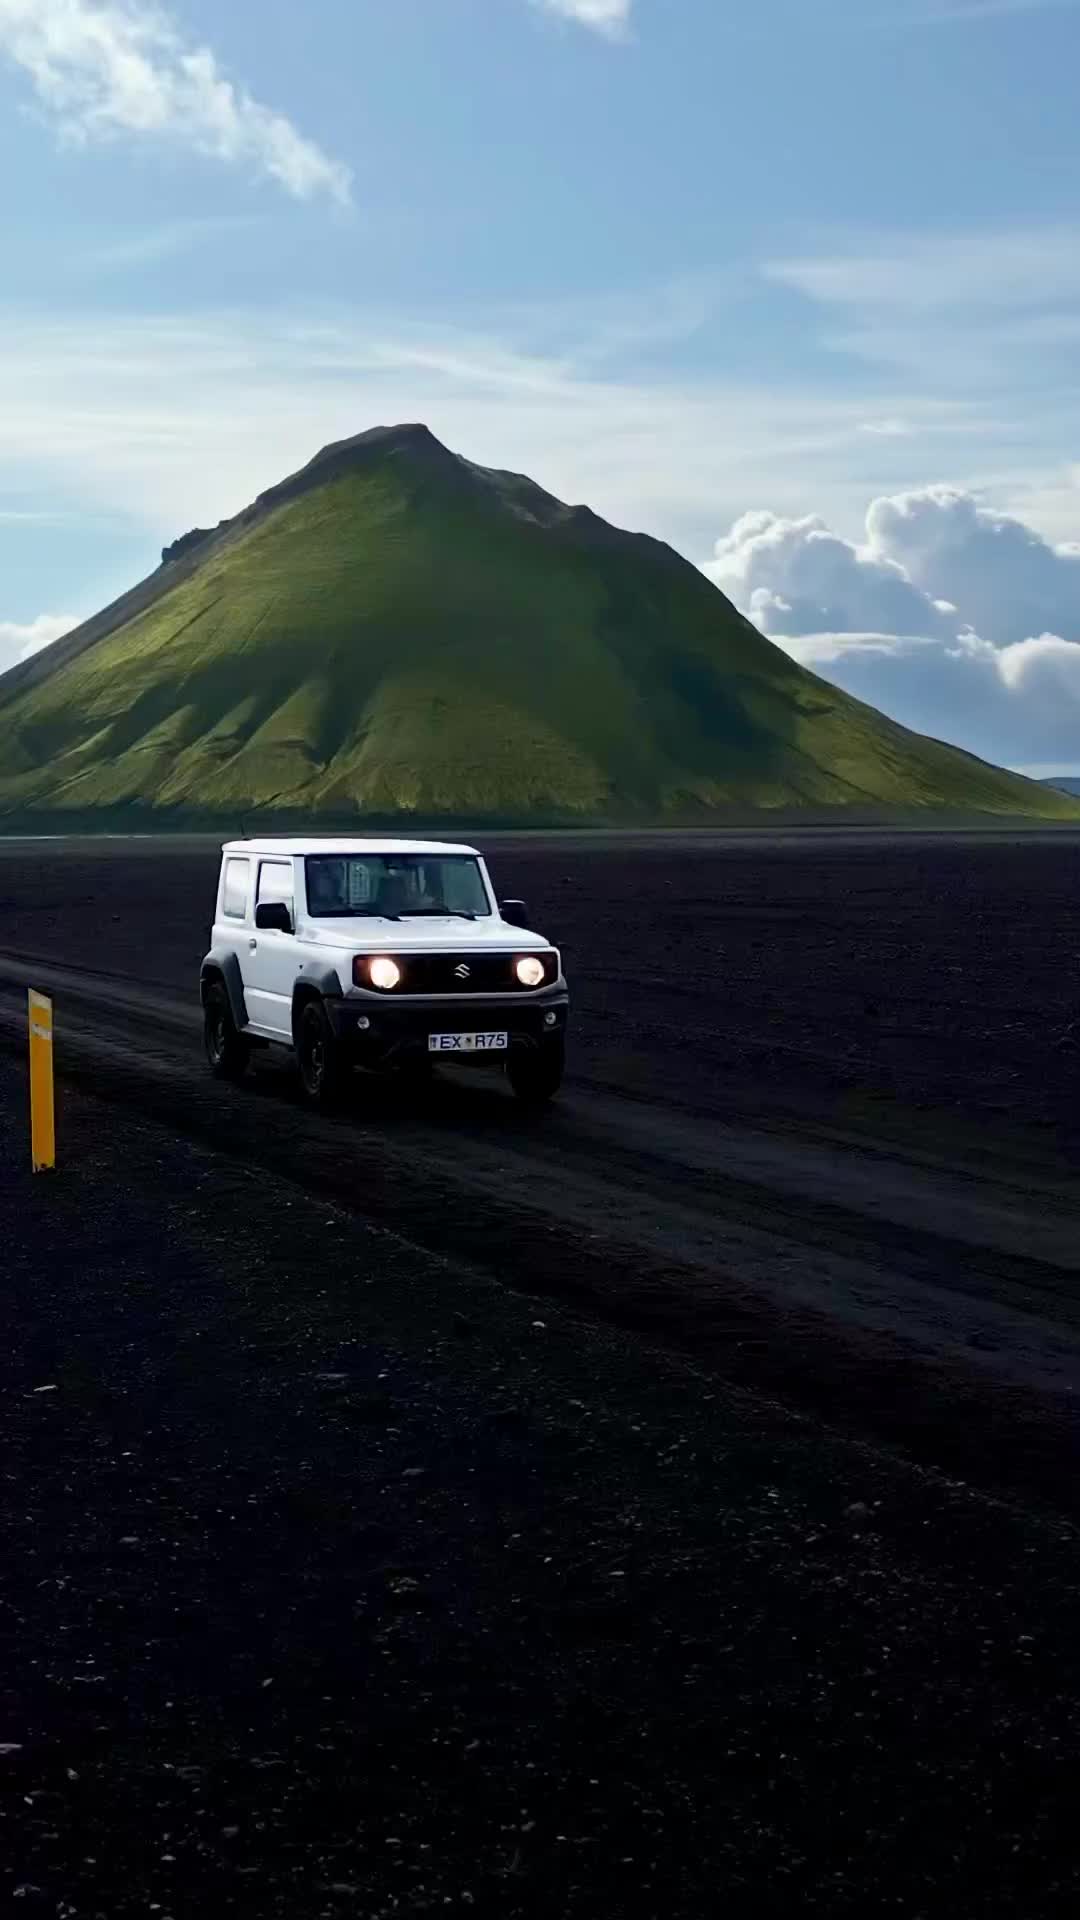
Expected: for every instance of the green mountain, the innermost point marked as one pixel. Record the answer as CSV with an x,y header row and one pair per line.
x,y
396,632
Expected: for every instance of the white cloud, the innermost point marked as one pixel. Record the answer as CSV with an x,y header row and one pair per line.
x,y
148,246
106,68
171,421
827,649
795,577
611,17
18,642
935,562
987,316
887,429
177,421
1048,662
984,317
959,621
1018,705
1010,269
1006,579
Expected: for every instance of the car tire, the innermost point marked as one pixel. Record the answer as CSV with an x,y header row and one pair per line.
x,y
536,1073
227,1051
323,1074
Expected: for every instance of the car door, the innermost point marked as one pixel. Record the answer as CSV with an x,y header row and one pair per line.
x,y
272,957
233,920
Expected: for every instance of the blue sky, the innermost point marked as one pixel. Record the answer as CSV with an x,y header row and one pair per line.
x,y
688,260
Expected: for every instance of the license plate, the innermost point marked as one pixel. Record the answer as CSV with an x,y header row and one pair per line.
x,y
468,1042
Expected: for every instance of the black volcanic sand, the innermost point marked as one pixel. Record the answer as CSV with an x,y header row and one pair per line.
x,y
339,1580
345,1579
734,971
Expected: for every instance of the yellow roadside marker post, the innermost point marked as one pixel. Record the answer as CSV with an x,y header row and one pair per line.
x,y
42,1104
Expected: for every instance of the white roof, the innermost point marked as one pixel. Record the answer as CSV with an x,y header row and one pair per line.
x,y
290,849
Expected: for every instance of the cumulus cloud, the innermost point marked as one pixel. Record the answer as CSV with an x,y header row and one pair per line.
x,y
18,642
958,620
108,68
1053,662
603,16
934,562
796,577
1006,578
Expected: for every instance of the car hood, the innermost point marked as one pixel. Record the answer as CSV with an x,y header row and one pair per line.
x,y
422,936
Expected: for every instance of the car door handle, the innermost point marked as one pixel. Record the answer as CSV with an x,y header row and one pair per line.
x,y
253,944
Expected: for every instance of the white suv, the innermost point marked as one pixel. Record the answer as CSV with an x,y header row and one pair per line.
x,y
379,953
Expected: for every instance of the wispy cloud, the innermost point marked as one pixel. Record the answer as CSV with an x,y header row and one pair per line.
x,y
1008,269
174,422
102,69
610,17
986,315
167,422
150,245
887,429
18,517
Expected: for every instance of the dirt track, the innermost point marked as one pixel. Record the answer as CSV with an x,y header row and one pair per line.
x,y
818,1141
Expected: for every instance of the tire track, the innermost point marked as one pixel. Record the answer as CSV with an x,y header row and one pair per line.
x,y
780,1266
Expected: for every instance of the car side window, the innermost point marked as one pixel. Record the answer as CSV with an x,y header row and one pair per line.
x,y
234,899
276,882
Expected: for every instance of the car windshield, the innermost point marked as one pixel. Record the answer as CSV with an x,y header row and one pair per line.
x,y
391,885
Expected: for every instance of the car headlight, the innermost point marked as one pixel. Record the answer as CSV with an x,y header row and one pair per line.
x,y
384,973
530,971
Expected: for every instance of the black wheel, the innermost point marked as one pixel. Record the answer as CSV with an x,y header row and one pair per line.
x,y
536,1073
323,1073
226,1050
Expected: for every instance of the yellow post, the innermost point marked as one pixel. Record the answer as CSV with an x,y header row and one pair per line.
x,y
42,1106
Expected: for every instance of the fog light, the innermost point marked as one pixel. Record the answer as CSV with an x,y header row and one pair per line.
x,y
363,1024
530,971
551,1019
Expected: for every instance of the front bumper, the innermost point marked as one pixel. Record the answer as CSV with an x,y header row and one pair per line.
x,y
398,1030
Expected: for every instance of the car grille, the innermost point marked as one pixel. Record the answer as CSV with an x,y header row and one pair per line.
x,y
467,973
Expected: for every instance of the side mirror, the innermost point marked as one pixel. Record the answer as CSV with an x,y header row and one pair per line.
x,y
514,912
273,916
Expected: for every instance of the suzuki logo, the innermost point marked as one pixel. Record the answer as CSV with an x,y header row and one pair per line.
x,y
462,972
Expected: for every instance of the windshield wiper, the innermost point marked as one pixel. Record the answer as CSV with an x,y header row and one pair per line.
x,y
435,913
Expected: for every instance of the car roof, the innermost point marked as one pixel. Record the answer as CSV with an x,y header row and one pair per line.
x,y
290,849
